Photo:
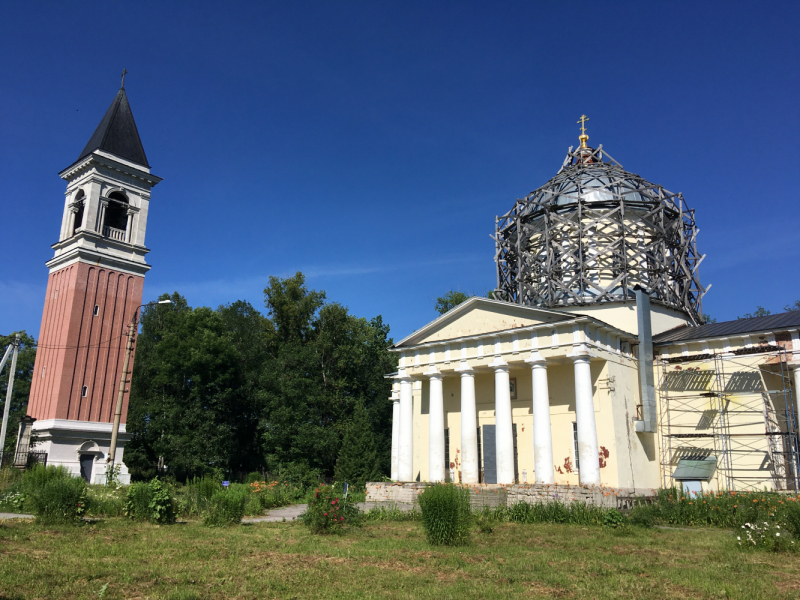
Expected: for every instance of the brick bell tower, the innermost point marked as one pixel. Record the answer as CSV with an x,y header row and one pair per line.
x,y
93,290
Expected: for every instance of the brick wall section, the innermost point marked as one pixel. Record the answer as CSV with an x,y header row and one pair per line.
x,y
77,348
499,495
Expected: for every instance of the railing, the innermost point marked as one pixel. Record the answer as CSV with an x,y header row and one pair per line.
x,y
24,459
114,234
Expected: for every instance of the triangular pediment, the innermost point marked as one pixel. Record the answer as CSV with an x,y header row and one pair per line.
x,y
482,316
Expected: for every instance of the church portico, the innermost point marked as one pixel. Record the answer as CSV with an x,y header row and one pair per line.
x,y
510,405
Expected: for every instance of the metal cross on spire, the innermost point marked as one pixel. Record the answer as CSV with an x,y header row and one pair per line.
x,y
124,72
582,121
583,137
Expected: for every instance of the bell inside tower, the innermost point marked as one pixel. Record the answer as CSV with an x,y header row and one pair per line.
x,y
116,214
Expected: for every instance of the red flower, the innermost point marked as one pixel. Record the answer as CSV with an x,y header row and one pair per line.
x,y
333,502
326,514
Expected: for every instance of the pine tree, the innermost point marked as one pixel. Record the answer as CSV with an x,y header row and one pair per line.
x,y
358,459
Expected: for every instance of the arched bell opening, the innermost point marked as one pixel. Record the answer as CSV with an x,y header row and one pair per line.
x,y
79,203
115,220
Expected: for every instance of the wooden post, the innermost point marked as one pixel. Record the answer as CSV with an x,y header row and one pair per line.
x,y
12,371
112,453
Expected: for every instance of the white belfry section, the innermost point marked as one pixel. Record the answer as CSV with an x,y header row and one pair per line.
x,y
542,433
504,432
469,426
436,427
405,466
588,451
395,433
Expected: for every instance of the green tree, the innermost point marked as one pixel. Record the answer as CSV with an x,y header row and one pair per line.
x,y
760,311
321,361
193,397
792,307
22,384
358,459
449,301
708,319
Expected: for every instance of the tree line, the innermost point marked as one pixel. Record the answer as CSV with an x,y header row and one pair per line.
x,y
234,391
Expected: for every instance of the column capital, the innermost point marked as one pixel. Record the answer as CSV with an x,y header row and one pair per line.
x,y
498,364
433,373
402,376
464,369
536,360
580,352
794,365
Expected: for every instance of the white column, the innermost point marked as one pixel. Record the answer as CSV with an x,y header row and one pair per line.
x,y
436,427
395,433
542,432
405,466
469,426
504,430
587,429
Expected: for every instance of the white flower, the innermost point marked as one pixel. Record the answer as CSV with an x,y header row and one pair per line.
x,y
777,535
738,538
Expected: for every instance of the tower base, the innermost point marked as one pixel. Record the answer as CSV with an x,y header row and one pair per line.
x,y
81,446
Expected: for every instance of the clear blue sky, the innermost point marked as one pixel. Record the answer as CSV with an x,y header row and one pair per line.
x,y
370,145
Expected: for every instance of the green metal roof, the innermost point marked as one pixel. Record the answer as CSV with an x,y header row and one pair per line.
x,y
696,469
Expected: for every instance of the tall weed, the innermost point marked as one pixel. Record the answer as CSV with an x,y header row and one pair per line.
x,y
446,514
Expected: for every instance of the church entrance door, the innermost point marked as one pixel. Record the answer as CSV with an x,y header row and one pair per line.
x,y
87,464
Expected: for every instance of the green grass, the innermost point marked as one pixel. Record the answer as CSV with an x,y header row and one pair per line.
x,y
383,559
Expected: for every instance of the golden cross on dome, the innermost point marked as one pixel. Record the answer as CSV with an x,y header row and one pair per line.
x,y
583,137
582,121
124,72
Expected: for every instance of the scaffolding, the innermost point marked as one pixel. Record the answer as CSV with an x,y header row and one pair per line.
x,y
736,406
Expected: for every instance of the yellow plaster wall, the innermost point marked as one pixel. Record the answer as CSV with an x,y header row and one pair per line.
x,y
623,316
640,469
484,318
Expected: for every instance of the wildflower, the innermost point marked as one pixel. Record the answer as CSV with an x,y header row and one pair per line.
x,y
326,514
738,537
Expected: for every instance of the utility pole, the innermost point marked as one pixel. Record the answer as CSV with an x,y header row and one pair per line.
x,y
112,453
9,392
118,412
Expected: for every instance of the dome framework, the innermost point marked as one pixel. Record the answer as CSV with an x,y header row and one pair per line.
x,y
592,234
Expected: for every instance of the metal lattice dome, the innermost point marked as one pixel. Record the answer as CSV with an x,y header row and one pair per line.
x,y
592,234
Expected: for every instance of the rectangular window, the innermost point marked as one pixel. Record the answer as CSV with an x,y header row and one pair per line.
x,y
55,294
43,368
96,310
575,446
85,391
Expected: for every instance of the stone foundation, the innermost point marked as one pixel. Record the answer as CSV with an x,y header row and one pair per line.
x,y
508,495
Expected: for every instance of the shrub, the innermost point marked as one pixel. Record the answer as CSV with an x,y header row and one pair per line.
x,y
445,514
254,476
61,500
392,513
327,513
152,501
226,507
108,501
765,536
641,516
792,519
613,518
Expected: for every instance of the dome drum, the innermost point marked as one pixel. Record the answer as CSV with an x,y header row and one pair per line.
x,y
592,234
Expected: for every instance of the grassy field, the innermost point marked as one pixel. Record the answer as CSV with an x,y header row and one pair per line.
x,y
116,558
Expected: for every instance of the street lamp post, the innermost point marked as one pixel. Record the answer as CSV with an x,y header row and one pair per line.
x,y
123,380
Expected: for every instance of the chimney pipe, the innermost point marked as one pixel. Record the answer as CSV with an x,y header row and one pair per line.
x,y
647,389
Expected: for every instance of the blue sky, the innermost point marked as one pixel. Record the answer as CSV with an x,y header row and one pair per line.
x,y
370,145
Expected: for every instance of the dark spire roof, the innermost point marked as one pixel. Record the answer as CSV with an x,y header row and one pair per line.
x,y
117,133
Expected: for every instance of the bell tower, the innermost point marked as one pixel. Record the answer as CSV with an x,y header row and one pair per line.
x,y
94,288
